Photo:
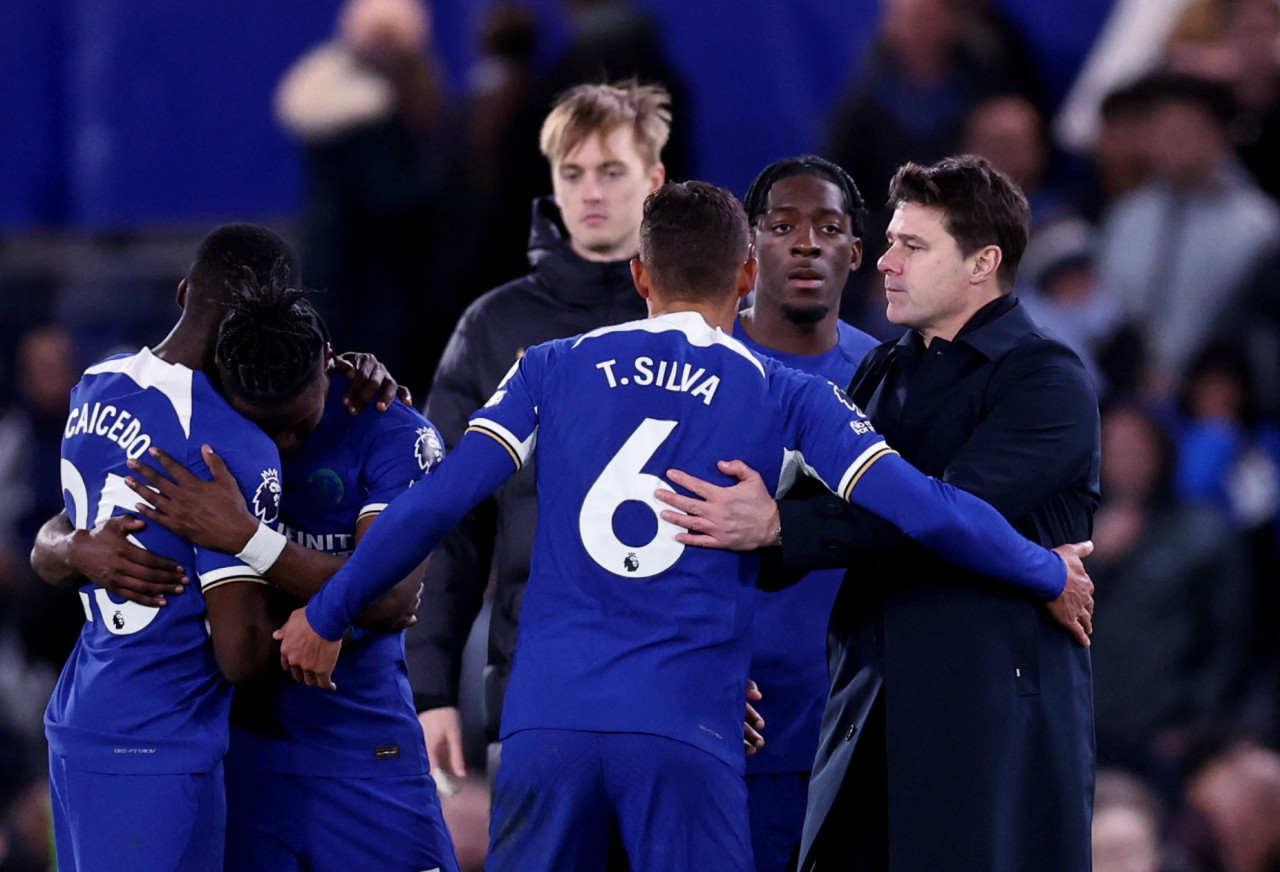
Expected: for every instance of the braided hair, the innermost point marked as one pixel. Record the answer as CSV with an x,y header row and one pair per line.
x,y
756,202
270,342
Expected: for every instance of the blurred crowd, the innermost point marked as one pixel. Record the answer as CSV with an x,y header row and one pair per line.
x,y
1155,254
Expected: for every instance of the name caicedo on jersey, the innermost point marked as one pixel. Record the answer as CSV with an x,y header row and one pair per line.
x,y
671,375
117,425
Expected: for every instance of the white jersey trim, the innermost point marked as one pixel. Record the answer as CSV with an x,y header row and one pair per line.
x,y
148,371
520,451
239,572
694,327
859,466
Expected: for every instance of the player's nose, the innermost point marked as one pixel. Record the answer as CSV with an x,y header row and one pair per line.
x,y
806,242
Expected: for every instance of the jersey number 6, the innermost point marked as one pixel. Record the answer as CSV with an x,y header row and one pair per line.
x,y
620,481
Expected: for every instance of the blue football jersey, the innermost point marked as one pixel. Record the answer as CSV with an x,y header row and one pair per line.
x,y
141,692
622,627
348,468
789,630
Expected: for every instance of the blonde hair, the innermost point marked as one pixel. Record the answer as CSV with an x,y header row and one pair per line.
x,y
597,110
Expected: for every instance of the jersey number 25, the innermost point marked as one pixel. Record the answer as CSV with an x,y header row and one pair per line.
x,y
120,619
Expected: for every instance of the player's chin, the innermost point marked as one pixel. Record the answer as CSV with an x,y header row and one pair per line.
x,y
804,312
896,310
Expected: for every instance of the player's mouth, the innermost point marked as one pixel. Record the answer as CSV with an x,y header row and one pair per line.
x,y
806,278
594,219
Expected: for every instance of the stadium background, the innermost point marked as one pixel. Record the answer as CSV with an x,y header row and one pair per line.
x,y
134,113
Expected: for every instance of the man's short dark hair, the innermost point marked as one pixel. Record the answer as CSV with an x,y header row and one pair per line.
x,y
234,254
757,199
270,344
1127,101
981,206
693,237
1214,99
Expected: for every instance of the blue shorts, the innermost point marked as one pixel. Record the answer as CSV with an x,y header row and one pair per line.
x,y
124,823
776,804
278,823
559,793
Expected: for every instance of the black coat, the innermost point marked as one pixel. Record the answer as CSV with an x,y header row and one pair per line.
x,y
563,295
986,747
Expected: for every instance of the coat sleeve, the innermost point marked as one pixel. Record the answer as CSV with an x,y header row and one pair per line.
x,y
825,532
458,570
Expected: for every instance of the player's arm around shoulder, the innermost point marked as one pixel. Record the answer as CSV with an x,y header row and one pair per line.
x,y
216,514
107,556
236,594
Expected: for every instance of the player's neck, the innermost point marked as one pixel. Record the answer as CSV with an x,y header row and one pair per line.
x,y
182,347
769,329
716,314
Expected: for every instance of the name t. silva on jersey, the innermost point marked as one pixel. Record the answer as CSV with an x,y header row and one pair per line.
x,y
115,424
670,375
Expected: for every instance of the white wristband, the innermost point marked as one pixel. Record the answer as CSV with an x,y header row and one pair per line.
x,y
262,551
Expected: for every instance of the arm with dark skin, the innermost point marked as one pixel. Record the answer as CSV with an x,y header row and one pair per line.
x,y
239,619
67,557
240,627
369,381
213,514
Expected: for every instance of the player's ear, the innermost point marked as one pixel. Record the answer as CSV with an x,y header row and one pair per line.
x,y
181,296
856,261
640,275
657,176
986,263
746,279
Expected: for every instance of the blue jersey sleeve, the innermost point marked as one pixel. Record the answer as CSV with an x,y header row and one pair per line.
x,y
511,415
837,442
497,443
401,447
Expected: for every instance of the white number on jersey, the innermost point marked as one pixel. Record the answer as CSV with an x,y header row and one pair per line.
x,y
121,619
622,480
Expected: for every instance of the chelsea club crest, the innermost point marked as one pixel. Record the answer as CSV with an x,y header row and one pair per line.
x,y
266,499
